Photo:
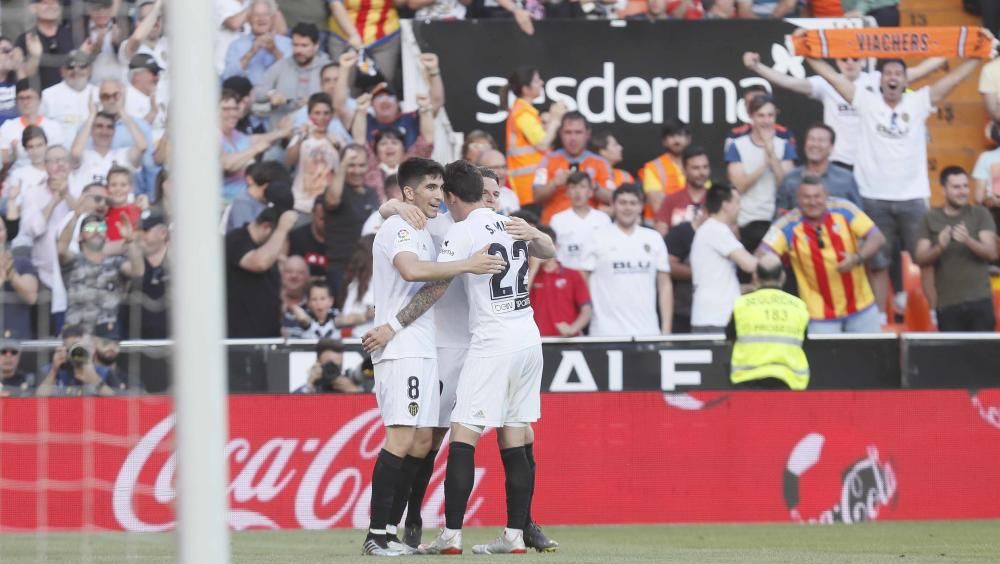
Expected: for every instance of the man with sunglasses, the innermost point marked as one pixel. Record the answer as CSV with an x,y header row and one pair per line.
x,y
93,201
69,102
13,382
827,241
95,282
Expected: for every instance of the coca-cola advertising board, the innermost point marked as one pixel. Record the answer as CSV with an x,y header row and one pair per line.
x,y
603,458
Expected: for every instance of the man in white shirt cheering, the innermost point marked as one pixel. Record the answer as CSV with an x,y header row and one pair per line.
x,y
715,254
576,227
406,378
891,166
628,271
68,102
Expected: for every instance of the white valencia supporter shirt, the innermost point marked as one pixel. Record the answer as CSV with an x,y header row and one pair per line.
x,y
839,114
392,293
500,317
716,287
575,234
892,149
623,268
70,108
451,312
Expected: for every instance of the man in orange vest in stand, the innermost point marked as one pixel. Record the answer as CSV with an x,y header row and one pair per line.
x,y
664,175
528,139
571,156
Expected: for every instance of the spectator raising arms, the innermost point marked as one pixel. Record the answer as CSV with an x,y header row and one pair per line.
x,y
314,153
527,139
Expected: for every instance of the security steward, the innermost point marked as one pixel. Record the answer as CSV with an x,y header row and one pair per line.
x,y
768,328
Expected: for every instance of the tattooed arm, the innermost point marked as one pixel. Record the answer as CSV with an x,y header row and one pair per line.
x,y
419,304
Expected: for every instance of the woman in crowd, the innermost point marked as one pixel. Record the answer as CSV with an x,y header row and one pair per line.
x,y
359,302
527,138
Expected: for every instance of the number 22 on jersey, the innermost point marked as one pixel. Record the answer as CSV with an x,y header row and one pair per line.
x,y
508,288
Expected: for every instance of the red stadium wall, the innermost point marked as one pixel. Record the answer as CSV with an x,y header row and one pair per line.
x,y
305,461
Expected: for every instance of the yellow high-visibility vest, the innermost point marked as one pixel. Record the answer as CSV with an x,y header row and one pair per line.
x,y
770,327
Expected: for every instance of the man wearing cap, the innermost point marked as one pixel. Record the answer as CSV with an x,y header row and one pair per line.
x,y
253,287
28,107
247,122
268,183
386,113
239,149
251,54
96,283
145,97
44,47
13,382
18,290
69,102
289,82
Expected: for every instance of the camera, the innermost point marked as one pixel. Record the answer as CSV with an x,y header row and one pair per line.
x,y
330,371
78,355
261,105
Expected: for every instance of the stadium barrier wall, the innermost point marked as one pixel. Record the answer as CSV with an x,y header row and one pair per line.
x,y
603,458
674,363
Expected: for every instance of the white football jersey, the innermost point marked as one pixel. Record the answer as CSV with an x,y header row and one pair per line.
x,y
500,317
623,268
392,293
575,234
451,312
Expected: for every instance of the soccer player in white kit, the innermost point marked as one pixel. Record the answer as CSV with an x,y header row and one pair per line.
x,y
451,317
500,382
406,380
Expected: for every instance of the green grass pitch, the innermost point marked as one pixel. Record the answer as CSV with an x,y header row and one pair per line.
x,y
899,542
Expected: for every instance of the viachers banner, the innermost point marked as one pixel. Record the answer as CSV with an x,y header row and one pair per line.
x,y
627,77
603,458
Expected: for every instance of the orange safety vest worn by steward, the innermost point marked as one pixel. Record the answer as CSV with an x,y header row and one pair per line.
x,y
524,130
660,175
593,164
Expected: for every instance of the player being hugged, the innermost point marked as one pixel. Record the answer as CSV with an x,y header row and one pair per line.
x,y
406,380
500,382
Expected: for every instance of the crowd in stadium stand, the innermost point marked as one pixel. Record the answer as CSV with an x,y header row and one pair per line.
x,y
312,133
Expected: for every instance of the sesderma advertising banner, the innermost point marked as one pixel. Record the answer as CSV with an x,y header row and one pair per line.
x,y
624,76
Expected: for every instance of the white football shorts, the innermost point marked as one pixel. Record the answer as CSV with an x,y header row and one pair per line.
x,y
408,391
496,390
450,361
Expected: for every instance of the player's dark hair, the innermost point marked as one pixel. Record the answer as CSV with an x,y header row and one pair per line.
x,y
949,171
520,78
624,189
692,151
462,180
414,170
306,29
489,173
32,132
717,195
319,98
579,177
824,127
674,127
